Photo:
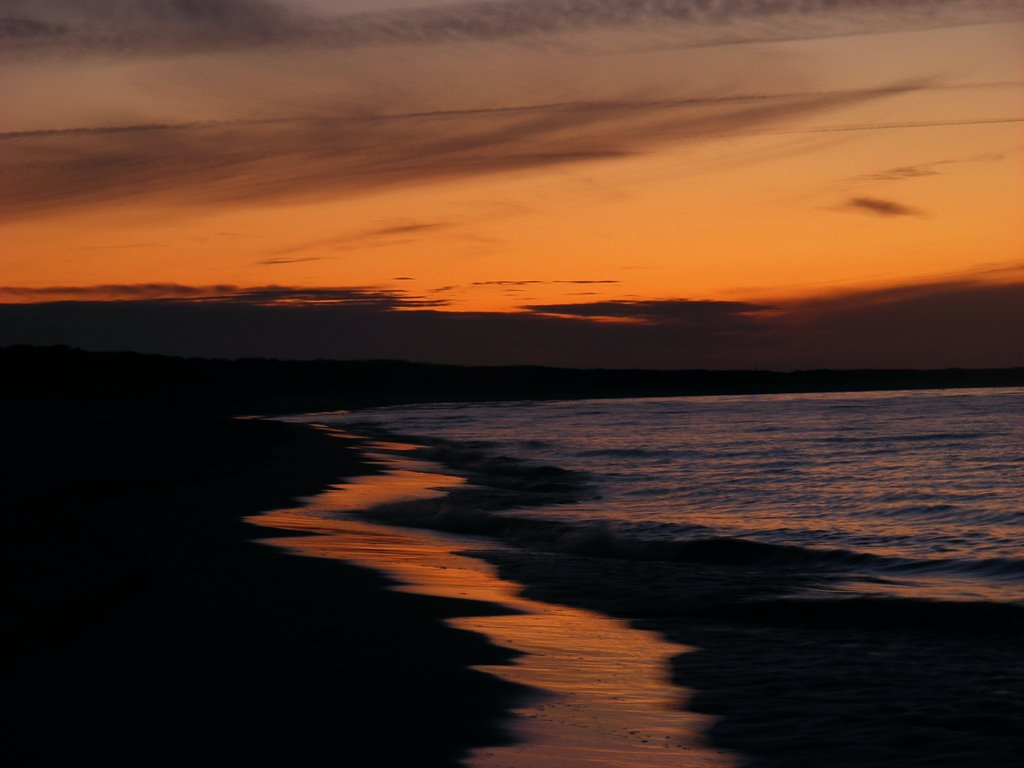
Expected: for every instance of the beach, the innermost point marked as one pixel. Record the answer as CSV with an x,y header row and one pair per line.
x,y
146,626
512,383
511,584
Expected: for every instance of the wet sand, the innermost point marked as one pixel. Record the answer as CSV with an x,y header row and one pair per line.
x,y
601,693
144,625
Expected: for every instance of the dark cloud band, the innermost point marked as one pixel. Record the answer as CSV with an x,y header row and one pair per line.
x,y
141,26
361,298
958,323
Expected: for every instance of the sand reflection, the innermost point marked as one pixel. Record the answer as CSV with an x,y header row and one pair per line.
x,y
604,695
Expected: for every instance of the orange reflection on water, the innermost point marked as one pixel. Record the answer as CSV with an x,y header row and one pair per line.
x,y
606,697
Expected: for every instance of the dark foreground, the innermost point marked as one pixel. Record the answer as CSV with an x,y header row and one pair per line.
x,y
142,625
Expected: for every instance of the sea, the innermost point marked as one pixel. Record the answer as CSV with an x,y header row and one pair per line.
x,y
847,569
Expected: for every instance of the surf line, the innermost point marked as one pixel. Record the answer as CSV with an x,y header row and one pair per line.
x,y
604,695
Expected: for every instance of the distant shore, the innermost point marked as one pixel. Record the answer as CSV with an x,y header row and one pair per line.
x,y
144,622
263,386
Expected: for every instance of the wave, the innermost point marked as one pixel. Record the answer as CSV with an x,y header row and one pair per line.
x,y
626,453
499,485
483,511
907,438
999,567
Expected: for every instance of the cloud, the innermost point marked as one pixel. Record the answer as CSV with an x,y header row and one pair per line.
x,y
14,30
899,174
131,292
541,282
141,26
147,26
285,260
268,295
881,207
1012,270
390,234
348,330
119,246
858,127
905,172
956,323
706,314
206,164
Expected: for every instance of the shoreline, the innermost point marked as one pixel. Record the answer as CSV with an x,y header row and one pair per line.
x,y
147,620
596,689
788,682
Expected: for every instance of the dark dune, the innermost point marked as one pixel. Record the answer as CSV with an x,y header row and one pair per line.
x,y
142,624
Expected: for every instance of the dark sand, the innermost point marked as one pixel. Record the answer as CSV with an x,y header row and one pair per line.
x,y
141,624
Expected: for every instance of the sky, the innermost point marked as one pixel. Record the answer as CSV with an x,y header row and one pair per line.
x,y
598,183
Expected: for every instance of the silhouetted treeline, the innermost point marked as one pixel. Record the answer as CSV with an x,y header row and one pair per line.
x,y
277,386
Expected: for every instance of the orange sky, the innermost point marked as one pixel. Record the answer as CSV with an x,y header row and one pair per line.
x,y
459,153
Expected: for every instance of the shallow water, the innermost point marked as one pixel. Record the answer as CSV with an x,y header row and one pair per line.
x,y
910,493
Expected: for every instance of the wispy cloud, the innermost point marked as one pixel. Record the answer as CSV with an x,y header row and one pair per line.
x,y
708,315
902,173
309,159
120,246
278,260
880,207
363,298
518,283
113,292
139,26
384,235
145,26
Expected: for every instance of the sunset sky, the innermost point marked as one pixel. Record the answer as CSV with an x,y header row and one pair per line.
x,y
654,183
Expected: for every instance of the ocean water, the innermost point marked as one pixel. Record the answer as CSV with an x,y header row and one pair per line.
x,y
844,571
915,494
